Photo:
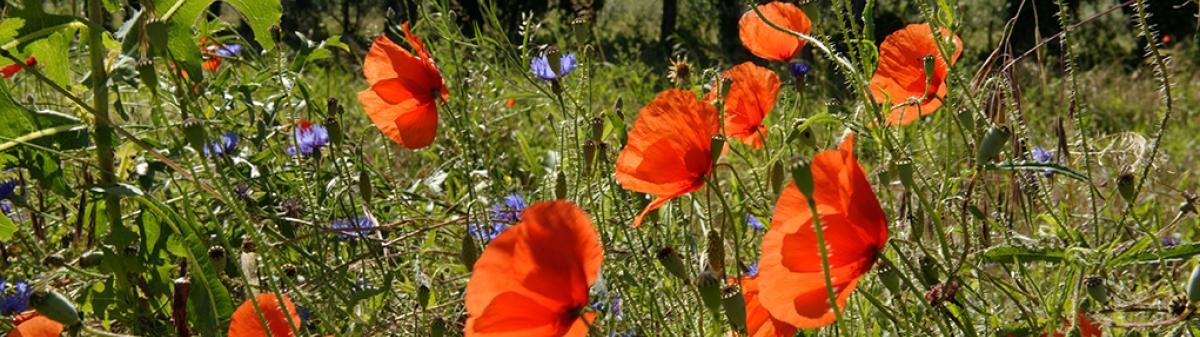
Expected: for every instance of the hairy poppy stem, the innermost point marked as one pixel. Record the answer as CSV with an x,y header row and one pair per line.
x,y
103,135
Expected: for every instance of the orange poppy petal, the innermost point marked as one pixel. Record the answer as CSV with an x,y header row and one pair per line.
x,y
246,322
768,43
901,72
37,326
793,287
668,152
377,66
751,97
533,278
759,322
418,127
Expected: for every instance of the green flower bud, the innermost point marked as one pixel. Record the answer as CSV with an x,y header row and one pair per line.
x,y
335,131
802,176
672,262
55,306
993,142
1096,289
930,64
560,186
716,147
890,277
423,296
777,176
904,168
364,186
468,252
1125,184
91,259
929,270
597,129
710,291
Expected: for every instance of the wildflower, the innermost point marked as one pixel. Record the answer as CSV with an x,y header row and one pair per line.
x,y
1170,241
7,188
506,213
304,313
670,148
752,270
680,71
541,67
212,60
760,322
769,43
486,233
1043,156
799,69
855,231
309,138
613,306
11,70
14,296
510,102
228,50
355,226
222,146
751,96
902,75
753,222
404,89
534,279
35,325
246,322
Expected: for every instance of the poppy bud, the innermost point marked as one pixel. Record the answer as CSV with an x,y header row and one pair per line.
x,y
147,73
55,306
672,262
438,328
364,186
735,306
216,255
193,130
589,156
333,107
1125,183
53,261
597,129
276,33
890,278
468,253
335,130
423,295
1193,288
967,118
929,270
716,253
560,186
993,142
777,176
617,108
929,62
904,168
802,176
710,291
1096,289
91,259
289,270
602,153
716,147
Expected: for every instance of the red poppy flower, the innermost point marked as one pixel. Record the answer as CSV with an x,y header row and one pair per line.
x,y
208,51
246,322
901,72
402,99
792,282
669,148
510,102
9,70
759,322
769,43
1087,328
533,279
34,325
751,96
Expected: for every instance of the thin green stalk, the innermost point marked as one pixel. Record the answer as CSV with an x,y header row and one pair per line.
x,y
104,132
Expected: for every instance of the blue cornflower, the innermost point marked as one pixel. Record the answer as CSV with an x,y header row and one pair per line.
x,y
304,313
222,146
752,270
486,233
753,222
629,333
541,67
504,214
799,69
356,226
1170,241
1043,156
7,187
309,137
612,306
228,50
14,297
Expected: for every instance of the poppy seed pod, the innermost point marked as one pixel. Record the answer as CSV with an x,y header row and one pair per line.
x,y
560,186
333,107
1125,184
468,253
55,306
193,131
289,270
929,270
216,255
597,129
53,261
672,262
423,296
589,156
1193,288
710,291
1096,289
967,119
904,168
993,142
735,306
802,176
930,64
890,277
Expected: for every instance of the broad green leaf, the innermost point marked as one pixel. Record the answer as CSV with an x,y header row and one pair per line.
x,y
53,55
261,15
8,30
19,122
7,227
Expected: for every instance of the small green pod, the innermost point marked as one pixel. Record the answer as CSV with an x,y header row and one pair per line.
x,y
672,262
710,291
993,142
735,306
468,252
55,306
